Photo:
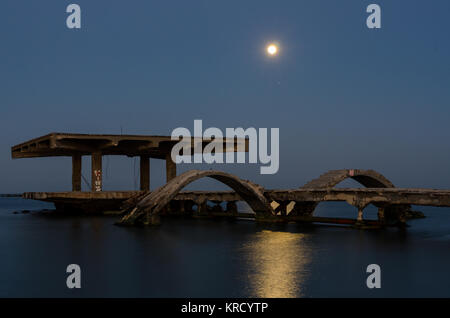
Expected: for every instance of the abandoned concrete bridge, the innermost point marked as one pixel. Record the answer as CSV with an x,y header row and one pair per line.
x,y
278,205
267,205
394,204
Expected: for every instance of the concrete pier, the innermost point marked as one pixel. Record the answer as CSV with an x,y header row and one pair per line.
x,y
171,168
76,172
96,172
144,173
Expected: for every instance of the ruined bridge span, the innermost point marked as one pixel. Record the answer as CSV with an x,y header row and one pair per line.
x,y
145,207
365,196
290,205
151,204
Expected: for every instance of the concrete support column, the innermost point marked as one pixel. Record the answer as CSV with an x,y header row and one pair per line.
x,y
202,208
303,209
181,207
402,219
76,173
171,168
96,175
231,207
188,206
360,214
381,214
145,173
152,219
282,208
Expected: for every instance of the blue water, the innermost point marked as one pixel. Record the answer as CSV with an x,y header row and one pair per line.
x,y
212,258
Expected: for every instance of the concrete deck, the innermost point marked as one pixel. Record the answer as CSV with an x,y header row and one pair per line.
x,y
354,196
68,144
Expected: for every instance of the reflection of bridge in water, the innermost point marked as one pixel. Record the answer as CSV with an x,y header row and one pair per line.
x,y
394,204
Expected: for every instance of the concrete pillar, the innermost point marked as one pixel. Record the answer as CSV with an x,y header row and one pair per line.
x,y
188,206
96,175
381,214
152,219
181,207
231,207
76,173
360,214
202,208
145,173
217,207
282,208
171,168
402,219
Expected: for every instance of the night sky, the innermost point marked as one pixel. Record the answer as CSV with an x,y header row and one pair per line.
x,y
343,95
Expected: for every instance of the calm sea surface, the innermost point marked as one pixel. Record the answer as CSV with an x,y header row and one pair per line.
x,y
212,258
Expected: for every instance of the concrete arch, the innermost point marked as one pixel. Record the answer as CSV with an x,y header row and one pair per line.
x,y
368,178
155,201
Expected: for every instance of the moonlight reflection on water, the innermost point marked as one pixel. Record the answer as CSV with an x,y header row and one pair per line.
x,y
279,261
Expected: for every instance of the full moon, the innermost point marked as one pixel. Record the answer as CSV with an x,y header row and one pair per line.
x,y
272,49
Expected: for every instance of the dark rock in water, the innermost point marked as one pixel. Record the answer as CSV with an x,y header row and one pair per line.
x,y
15,212
414,215
25,211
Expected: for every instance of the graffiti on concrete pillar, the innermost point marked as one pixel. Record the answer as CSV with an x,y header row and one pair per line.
x,y
98,180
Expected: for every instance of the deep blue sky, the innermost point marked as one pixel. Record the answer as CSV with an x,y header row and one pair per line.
x,y
342,95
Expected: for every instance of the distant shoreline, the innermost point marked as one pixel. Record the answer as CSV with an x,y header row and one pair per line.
x,y
10,195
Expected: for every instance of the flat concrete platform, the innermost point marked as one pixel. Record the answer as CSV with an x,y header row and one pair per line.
x,y
80,196
86,202
69,144
98,202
